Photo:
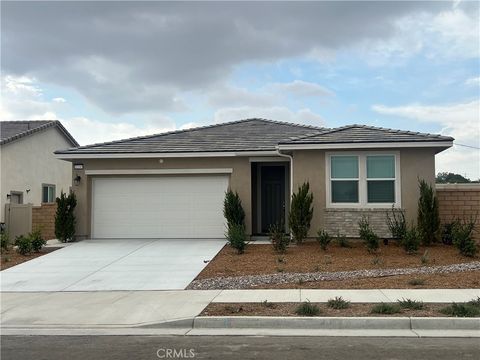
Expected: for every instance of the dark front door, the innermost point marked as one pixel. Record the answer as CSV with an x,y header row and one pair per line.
x,y
272,196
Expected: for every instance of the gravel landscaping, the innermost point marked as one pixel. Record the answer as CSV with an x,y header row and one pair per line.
x,y
249,281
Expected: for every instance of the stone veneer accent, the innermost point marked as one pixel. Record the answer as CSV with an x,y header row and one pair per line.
x,y
43,218
459,201
346,221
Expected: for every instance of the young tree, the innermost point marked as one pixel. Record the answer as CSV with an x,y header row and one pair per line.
x,y
428,220
301,212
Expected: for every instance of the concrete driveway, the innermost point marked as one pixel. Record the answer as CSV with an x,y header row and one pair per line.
x,y
102,265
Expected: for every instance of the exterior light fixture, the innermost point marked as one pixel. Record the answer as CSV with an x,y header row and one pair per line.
x,y
77,179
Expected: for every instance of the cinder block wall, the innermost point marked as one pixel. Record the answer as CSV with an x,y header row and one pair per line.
x,y
43,218
459,201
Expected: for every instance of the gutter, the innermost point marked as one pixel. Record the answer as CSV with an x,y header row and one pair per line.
x,y
290,157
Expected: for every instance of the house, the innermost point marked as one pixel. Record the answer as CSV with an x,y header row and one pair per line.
x,y
30,172
172,185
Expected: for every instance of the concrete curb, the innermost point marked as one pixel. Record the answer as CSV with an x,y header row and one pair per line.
x,y
337,323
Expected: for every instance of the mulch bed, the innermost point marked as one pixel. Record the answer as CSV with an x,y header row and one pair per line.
x,y
288,309
12,258
308,257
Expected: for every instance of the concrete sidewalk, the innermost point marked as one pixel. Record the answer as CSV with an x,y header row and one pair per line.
x,y
139,308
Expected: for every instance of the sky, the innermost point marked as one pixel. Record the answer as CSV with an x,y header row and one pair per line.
x,y
112,70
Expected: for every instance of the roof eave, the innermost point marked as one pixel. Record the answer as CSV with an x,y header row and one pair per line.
x,y
367,145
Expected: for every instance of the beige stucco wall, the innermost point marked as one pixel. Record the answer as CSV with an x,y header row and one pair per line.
x,y
309,165
240,180
29,162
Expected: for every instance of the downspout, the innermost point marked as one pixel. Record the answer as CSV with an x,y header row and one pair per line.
x,y
290,157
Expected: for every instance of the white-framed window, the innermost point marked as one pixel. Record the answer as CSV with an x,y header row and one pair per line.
x,y
48,193
363,179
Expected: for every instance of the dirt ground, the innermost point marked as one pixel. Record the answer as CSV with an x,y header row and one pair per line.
x,y
308,257
288,309
12,258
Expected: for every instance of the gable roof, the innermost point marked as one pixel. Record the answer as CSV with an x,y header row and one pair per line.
x,y
252,135
242,135
14,130
365,134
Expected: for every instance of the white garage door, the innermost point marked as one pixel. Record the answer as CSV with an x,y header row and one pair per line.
x,y
159,207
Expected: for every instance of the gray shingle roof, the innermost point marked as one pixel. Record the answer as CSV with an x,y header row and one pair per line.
x,y
250,135
242,135
13,130
364,134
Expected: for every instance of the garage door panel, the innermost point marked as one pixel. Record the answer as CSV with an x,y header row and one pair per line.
x,y
159,207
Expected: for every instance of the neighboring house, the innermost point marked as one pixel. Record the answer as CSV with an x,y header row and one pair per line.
x,y
30,172
172,185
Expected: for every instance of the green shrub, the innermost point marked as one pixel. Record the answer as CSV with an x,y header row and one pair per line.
x,y
24,244
371,240
425,259
342,241
301,212
462,237
279,239
377,261
236,237
323,239
447,232
411,240
475,302
307,309
385,308
397,224
4,241
38,242
428,219
416,282
461,310
411,304
64,217
338,303
233,209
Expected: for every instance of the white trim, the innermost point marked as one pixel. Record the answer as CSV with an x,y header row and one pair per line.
x,y
412,144
267,159
362,181
158,171
164,155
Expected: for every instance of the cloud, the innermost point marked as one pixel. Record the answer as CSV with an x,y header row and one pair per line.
x,y
461,120
130,57
474,81
59,100
302,116
301,88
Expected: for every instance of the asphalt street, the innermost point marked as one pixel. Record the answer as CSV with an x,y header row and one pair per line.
x,y
237,347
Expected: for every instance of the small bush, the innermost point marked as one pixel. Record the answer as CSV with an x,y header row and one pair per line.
x,y
377,261
397,224
428,218
236,237
385,308
461,310
338,303
462,237
301,212
307,309
268,304
411,240
233,209
416,282
447,233
475,302
38,242
279,239
323,239
24,244
342,241
411,304
370,239
425,259
4,241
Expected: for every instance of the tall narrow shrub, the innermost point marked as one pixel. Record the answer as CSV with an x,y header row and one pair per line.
x,y
235,217
301,212
64,217
428,220
233,209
